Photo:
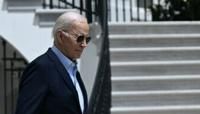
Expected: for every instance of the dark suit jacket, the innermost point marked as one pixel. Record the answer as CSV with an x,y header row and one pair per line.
x,y
46,88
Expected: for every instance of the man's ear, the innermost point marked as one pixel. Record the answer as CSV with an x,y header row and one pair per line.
x,y
59,36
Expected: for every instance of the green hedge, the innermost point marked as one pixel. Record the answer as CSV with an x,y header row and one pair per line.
x,y
176,10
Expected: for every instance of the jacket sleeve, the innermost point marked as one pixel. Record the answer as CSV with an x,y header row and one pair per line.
x,y
32,90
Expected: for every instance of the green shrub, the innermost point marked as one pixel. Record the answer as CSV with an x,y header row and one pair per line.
x,y
176,10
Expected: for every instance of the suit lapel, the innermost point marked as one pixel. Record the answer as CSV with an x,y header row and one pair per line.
x,y
83,90
63,73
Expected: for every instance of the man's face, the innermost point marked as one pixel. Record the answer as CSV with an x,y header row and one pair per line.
x,y
75,40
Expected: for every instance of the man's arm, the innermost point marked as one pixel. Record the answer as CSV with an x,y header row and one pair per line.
x,y
32,90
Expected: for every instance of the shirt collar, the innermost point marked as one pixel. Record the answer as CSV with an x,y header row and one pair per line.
x,y
64,60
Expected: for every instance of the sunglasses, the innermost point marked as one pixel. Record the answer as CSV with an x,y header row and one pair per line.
x,y
80,38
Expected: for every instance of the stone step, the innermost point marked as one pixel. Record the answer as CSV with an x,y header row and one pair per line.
x,y
47,17
155,98
153,68
23,5
152,54
180,109
152,83
183,27
154,40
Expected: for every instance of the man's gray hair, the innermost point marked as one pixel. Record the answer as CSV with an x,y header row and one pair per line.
x,y
65,20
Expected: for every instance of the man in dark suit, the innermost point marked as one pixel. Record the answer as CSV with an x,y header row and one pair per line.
x,y
51,83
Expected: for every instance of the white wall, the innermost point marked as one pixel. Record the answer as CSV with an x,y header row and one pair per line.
x,y
18,29
88,66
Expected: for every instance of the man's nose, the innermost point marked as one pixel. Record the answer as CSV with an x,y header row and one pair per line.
x,y
84,44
